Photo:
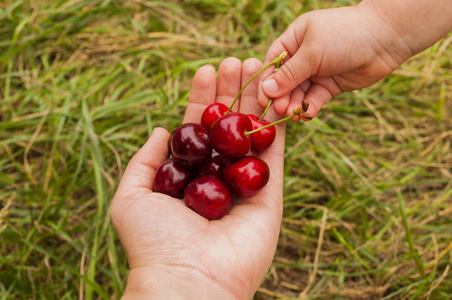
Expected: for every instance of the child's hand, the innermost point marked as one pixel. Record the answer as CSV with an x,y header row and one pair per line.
x,y
332,51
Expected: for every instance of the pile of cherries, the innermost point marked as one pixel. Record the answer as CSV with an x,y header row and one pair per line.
x,y
210,162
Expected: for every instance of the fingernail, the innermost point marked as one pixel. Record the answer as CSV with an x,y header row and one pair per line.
x,y
270,86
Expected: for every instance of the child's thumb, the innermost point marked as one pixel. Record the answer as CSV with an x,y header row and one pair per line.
x,y
292,73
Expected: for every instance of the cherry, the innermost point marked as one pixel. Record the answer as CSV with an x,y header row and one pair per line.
x,y
246,176
171,178
230,134
262,139
212,113
190,144
228,137
229,131
209,197
214,166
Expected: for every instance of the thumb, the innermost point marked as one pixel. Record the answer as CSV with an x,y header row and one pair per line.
x,y
141,168
291,74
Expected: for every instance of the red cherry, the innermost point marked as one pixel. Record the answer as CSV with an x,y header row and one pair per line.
x,y
246,176
262,139
214,166
228,137
209,197
171,178
190,144
212,113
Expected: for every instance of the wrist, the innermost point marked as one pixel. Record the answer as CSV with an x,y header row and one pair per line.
x,y
418,23
386,40
179,283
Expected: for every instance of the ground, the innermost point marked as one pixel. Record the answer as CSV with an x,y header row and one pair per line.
x,y
368,183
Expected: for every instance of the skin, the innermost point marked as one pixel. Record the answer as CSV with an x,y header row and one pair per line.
x,y
173,252
332,51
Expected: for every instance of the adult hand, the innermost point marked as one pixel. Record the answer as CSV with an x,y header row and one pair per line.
x,y
172,251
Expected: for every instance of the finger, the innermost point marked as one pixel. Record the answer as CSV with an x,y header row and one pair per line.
x,y
248,98
267,204
202,94
280,104
140,171
291,74
316,96
262,97
274,157
321,90
305,85
289,41
284,105
296,99
229,81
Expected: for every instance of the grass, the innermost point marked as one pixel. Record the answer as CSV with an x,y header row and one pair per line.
x,y
368,184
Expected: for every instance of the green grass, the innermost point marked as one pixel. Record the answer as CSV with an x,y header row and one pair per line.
x,y
368,184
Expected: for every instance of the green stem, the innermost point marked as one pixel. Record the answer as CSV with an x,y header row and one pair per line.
x,y
270,101
278,64
296,112
277,60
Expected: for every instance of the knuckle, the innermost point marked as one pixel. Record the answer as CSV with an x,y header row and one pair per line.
x,y
323,95
288,71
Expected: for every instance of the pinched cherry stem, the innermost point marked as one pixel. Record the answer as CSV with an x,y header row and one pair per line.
x,y
276,61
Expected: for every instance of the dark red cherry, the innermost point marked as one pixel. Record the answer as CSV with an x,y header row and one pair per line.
x,y
228,137
190,144
262,139
246,176
214,166
171,178
212,113
209,197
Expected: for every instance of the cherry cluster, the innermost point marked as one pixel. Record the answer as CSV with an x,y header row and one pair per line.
x,y
210,162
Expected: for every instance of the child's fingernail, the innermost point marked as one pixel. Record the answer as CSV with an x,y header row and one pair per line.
x,y
270,86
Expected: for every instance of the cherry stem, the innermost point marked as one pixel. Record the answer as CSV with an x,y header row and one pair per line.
x,y
276,61
297,111
270,100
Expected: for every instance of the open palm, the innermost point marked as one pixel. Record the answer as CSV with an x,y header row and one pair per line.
x,y
170,247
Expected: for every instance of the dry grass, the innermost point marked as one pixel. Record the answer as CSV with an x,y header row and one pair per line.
x,y
368,184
